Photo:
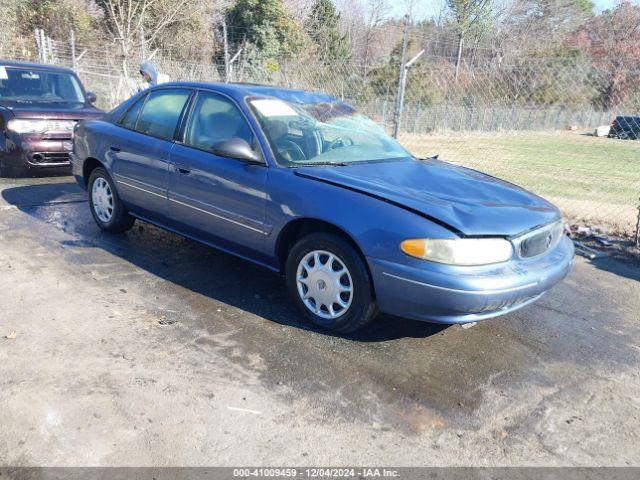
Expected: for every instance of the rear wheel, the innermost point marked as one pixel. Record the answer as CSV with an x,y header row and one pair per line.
x,y
329,282
108,211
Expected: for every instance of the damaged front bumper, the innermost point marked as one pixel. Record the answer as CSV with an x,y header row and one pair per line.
x,y
451,294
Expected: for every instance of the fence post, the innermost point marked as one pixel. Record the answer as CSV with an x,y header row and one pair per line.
x,y
50,50
402,79
638,227
225,41
74,64
43,45
143,45
36,32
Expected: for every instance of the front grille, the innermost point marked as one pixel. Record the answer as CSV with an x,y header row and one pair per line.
x,y
50,158
539,241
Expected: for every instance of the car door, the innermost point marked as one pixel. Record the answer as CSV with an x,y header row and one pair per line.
x,y
141,151
218,199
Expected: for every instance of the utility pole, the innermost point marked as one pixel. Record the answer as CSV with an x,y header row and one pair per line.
x,y
402,78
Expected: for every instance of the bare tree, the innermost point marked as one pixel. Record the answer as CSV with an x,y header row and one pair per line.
x,y
376,13
537,25
127,22
469,16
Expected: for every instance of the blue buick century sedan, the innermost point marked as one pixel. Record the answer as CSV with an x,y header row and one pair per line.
x,y
303,184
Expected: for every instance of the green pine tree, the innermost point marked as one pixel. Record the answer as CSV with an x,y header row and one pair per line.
x,y
323,27
264,27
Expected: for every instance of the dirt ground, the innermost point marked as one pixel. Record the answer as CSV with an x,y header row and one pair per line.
x,y
149,349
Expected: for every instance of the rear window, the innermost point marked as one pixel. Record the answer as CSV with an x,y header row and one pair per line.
x,y
161,112
35,85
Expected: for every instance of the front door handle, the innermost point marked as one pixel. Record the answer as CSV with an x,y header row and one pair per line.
x,y
113,148
183,169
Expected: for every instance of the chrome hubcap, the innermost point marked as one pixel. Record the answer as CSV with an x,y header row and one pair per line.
x,y
324,284
102,198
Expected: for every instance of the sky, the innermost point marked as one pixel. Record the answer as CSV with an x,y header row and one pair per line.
x,y
430,8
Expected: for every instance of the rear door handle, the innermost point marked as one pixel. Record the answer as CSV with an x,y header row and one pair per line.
x,y
183,169
113,148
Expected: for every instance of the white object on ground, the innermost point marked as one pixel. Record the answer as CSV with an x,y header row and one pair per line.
x,y
247,410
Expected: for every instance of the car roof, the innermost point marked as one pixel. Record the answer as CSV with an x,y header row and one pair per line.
x,y
33,65
242,90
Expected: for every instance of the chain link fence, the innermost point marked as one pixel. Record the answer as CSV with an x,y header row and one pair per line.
x,y
545,124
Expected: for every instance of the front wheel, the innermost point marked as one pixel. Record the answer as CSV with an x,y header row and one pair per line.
x,y
108,211
329,282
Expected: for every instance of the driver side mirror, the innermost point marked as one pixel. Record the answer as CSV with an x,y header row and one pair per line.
x,y
91,97
237,148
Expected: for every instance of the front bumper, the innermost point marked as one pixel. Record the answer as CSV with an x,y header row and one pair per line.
x,y
36,153
447,294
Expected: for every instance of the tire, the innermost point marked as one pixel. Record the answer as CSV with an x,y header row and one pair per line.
x,y
106,208
358,306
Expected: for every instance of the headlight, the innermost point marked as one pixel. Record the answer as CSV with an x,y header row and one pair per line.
x,y
40,126
461,251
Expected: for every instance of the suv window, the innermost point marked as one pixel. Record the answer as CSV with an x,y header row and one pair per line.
x,y
215,118
39,85
160,114
130,118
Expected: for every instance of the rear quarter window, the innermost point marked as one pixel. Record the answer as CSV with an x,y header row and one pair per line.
x,y
131,117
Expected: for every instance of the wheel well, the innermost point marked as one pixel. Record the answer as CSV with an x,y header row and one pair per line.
x,y
298,228
90,164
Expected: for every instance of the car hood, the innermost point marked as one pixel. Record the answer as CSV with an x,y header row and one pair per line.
x,y
58,111
466,201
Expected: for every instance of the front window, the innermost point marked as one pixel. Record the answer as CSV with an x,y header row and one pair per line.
x,y
33,85
322,133
215,119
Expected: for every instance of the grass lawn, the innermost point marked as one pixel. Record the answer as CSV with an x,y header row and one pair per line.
x,y
595,180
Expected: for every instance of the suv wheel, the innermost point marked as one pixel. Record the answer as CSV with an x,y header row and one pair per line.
x,y
108,211
329,282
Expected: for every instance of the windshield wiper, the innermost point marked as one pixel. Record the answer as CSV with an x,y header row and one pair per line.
x,y
319,164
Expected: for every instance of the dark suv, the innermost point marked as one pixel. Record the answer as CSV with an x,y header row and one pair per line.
x,y
627,128
39,107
